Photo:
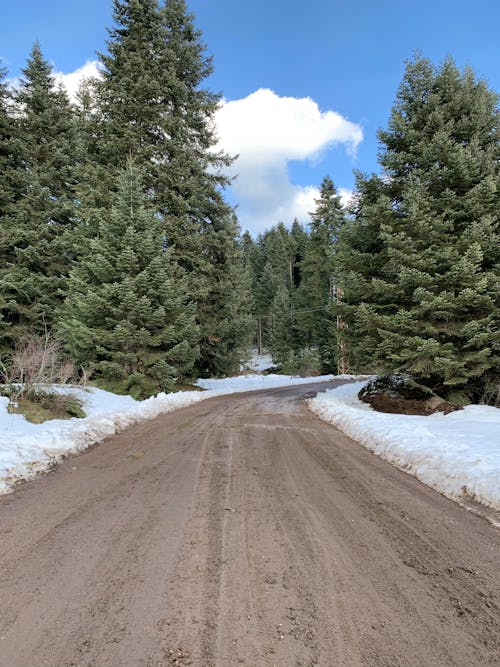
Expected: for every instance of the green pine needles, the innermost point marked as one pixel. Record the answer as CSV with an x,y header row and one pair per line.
x,y
158,288
127,312
420,258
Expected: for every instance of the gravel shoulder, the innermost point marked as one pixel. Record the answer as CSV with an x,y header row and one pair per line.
x,y
243,530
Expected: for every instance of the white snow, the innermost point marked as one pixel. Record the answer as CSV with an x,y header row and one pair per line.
x,y
458,454
27,449
258,362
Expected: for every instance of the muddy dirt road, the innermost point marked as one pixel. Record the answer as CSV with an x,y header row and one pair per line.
x,y
242,531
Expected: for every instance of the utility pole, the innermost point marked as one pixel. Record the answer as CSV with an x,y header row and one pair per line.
x,y
259,340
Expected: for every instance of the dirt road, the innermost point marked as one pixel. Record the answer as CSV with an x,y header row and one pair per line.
x,y
242,531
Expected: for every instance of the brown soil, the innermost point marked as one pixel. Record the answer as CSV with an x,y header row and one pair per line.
x,y
242,531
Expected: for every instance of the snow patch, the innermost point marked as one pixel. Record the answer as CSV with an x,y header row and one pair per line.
x,y
457,454
258,362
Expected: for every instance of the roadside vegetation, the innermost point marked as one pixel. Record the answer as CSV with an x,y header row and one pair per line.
x,y
35,369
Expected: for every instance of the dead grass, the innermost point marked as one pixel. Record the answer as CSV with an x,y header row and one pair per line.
x,y
44,406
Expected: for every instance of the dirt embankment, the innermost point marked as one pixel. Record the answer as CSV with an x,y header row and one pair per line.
x,y
242,530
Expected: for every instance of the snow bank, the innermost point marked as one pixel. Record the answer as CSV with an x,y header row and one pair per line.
x,y
27,449
458,454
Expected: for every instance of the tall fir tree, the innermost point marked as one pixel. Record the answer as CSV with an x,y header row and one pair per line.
x,y
360,259
281,339
131,100
154,109
9,159
200,226
8,191
432,310
37,226
127,314
96,181
277,266
227,310
298,241
318,271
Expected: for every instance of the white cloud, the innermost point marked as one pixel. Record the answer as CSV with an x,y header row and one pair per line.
x,y
267,131
73,80
264,126
345,196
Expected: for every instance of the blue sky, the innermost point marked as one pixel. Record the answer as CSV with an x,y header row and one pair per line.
x,y
269,56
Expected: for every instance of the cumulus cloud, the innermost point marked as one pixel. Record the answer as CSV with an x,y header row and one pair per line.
x,y
71,82
267,131
345,196
266,126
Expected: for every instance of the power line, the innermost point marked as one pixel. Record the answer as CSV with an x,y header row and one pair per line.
x,y
295,312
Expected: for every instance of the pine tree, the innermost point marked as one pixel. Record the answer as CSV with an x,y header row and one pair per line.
x,y
37,226
276,270
281,341
200,226
8,152
131,104
155,110
127,314
318,270
432,310
8,191
360,259
298,241
96,181
227,311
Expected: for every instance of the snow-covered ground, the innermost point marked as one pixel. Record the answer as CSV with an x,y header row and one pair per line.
x,y
27,449
458,454
258,362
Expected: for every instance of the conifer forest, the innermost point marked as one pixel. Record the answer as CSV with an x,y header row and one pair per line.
x,y
117,240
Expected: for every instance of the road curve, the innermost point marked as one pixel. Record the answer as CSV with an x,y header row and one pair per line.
x,y
243,531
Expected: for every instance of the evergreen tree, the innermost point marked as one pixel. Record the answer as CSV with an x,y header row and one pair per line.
x,y
8,152
7,186
96,181
127,313
318,270
227,311
200,226
37,225
277,268
131,100
155,109
360,259
281,341
253,258
432,310
297,241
